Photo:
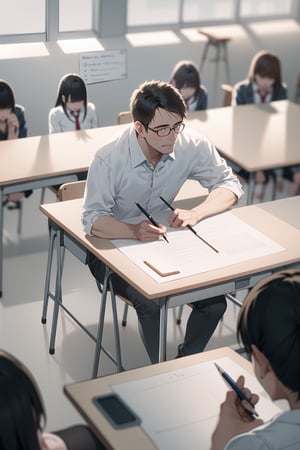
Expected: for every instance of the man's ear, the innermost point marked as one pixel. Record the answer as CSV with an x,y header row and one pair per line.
x,y
261,361
139,128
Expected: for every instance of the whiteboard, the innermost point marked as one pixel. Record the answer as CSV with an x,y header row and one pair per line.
x,y
97,67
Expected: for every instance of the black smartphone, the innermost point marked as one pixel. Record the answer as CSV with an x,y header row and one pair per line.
x,y
116,411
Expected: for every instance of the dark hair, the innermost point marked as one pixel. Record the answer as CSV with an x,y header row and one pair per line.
x,y
21,408
71,86
186,74
270,319
266,65
152,95
7,98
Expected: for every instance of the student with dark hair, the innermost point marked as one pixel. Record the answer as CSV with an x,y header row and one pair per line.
x,y
72,110
12,126
186,78
264,83
23,417
269,328
153,157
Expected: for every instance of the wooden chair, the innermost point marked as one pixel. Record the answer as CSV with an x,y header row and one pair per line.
x,y
227,89
124,117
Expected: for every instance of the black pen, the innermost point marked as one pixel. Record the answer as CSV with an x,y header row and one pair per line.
x,y
190,227
150,218
237,390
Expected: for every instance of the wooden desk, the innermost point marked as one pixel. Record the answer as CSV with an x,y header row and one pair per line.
x,y
287,209
66,215
81,394
40,161
253,137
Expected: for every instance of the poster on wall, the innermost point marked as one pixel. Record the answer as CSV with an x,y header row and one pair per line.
x,y
98,67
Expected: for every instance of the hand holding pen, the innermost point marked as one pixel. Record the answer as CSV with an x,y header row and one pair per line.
x,y
190,227
150,218
239,392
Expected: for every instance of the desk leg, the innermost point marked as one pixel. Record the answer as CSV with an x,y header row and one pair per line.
x,y
116,327
163,330
101,323
48,274
251,186
1,241
57,296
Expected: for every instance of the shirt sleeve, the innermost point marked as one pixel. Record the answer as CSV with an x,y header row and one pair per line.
x,y
99,196
93,116
54,126
247,442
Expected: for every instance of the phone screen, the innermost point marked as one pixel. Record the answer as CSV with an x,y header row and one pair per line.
x,y
116,411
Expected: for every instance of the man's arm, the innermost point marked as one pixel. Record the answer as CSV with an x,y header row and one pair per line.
x,y
218,200
109,227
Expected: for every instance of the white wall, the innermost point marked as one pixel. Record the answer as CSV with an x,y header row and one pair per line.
x,y
35,80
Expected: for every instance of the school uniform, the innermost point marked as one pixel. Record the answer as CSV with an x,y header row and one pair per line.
x,y
198,102
245,93
60,122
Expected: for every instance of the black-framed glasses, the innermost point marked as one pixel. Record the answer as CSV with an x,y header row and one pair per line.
x,y
163,132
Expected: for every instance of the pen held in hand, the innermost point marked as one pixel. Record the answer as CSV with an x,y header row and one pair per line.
x,y
191,228
237,390
150,218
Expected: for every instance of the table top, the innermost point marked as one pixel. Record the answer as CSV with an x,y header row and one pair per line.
x,y
81,394
255,137
50,155
287,209
67,216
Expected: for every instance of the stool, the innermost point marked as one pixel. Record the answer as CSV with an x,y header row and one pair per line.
x,y
220,44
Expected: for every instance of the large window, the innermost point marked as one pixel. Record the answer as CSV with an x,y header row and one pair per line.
x,y
263,8
42,20
75,15
22,17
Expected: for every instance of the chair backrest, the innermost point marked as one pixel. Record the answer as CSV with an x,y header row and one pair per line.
x,y
72,190
227,88
124,117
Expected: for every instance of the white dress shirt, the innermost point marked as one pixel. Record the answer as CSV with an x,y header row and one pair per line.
x,y
60,122
120,175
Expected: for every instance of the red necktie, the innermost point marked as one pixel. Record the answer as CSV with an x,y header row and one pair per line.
x,y
75,114
263,96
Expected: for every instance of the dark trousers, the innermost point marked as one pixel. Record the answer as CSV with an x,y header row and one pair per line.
x,y
201,324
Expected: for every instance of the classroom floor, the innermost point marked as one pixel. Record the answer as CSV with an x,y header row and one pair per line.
x,y
22,333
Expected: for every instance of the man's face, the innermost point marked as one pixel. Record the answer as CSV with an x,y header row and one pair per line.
x,y
162,119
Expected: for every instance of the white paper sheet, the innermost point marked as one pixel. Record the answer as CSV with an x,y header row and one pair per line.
x,y
179,409
235,240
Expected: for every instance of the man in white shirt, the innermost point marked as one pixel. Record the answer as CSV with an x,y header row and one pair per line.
x,y
153,157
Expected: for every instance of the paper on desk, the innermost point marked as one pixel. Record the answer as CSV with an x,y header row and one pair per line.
x,y
179,409
235,240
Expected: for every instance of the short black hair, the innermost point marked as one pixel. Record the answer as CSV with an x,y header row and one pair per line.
x,y
266,64
186,74
270,319
152,95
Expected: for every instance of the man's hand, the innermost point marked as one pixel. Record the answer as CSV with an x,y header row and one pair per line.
x,y
145,231
12,126
180,218
233,418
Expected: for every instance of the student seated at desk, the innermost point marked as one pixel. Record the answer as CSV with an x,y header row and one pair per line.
x,y
22,415
269,328
153,157
72,110
263,85
12,126
186,78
